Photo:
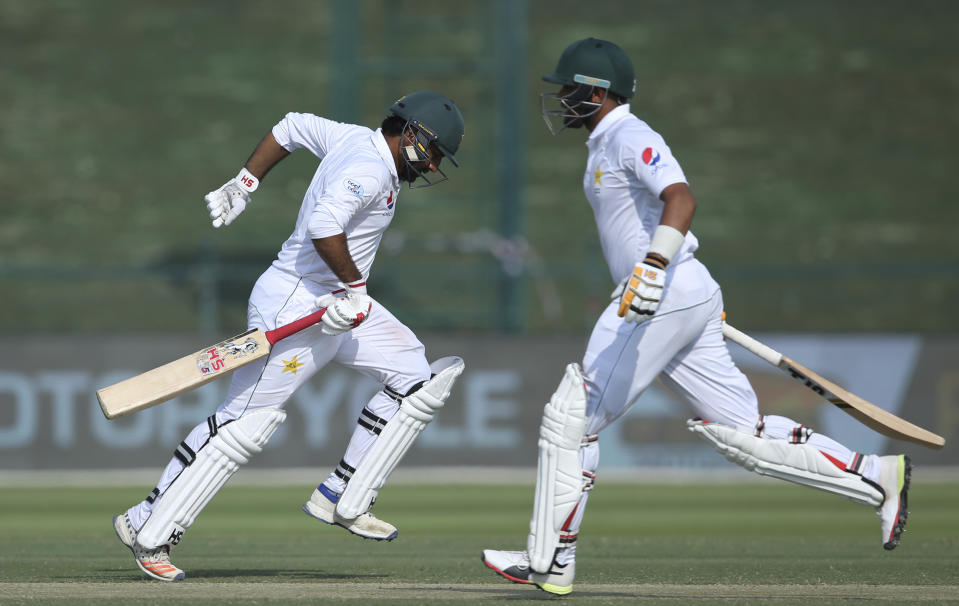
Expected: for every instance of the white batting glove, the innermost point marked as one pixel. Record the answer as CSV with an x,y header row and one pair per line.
x,y
345,312
642,291
226,203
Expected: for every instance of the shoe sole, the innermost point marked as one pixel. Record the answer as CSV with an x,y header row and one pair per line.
x,y
900,525
307,511
550,587
152,575
505,574
554,589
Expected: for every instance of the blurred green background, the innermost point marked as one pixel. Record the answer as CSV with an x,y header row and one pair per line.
x,y
818,137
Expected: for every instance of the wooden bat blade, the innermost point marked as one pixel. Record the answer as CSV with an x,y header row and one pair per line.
x,y
867,413
180,376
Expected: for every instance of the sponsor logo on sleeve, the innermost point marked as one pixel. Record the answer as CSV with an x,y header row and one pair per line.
x,y
390,201
353,187
652,159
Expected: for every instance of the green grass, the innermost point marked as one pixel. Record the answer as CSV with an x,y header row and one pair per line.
x,y
757,534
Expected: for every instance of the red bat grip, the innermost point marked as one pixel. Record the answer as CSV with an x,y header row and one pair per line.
x,y
282,332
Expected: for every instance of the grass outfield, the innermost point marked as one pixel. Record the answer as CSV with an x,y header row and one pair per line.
x,y
761,542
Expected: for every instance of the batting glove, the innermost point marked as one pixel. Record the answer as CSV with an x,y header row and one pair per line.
x,y
226,203
643,290
345,312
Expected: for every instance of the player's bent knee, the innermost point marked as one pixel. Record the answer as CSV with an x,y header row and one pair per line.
x,y
229,447
415,412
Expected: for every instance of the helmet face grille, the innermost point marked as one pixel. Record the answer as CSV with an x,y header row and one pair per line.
x,y
415,152
569,111
438,115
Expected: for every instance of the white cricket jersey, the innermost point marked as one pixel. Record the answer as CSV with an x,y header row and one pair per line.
x,y
353,191
628,167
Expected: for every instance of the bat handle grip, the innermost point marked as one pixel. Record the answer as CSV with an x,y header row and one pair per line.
x,y
763,351
282,332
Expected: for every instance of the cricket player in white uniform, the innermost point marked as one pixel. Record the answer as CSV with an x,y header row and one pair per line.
x,y
664,320
324,264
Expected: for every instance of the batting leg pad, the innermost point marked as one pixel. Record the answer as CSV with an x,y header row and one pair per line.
x,y
794,462
232,445
559,473
415,412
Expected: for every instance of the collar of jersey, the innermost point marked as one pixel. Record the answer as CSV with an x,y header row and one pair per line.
x,y
379,142
614,116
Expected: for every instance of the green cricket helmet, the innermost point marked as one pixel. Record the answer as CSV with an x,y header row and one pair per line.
x,y
433,119
584,65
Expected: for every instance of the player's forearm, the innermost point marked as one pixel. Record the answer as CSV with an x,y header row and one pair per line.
x,y
680,206
336,255
267,154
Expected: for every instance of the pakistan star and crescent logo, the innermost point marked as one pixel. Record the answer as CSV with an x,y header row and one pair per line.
x,y
598,176
291,365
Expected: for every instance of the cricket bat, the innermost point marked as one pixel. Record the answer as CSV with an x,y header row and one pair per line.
x,y
190,372
867,413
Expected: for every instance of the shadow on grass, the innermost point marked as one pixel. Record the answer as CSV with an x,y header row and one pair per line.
x,y
240,574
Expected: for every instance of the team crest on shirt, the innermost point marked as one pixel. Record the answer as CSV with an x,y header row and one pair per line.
x,y
353,187
291,365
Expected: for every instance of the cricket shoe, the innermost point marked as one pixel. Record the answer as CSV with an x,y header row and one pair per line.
x,y
511,565
559,579
154,562
322,506
894,476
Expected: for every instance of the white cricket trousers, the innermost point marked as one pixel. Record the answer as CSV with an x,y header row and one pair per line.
x,y
685,349
381,348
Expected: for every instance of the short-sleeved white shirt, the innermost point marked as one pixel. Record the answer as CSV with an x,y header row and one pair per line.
x,y
354,192
628,167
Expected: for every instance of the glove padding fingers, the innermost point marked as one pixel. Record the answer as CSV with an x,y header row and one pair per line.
x,y
238,206
344,313
642,293
226,203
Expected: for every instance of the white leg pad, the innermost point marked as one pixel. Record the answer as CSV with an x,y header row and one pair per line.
x,y
215,463
798,463
559,474
414,414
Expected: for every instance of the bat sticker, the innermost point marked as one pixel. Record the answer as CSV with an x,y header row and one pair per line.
x,y
214,359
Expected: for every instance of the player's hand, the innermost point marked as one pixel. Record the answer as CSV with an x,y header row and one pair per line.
x,y
641,292
347,311
226,203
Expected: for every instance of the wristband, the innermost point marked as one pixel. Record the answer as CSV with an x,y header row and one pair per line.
x,y
247,181
358,287
666,243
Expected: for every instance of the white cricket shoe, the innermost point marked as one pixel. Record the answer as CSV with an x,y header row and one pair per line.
x,y
154,562
514,566
322,506
511,565
894,476
558,580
